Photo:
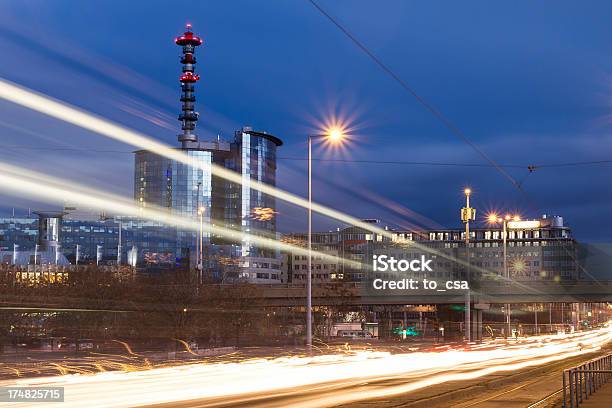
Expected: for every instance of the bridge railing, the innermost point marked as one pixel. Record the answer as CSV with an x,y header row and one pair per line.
x,y
580,382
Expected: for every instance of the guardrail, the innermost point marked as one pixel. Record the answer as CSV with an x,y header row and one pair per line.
x,y
582,381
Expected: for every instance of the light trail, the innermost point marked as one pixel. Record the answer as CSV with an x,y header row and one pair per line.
x,y
70,114
77,117
255,379
44,187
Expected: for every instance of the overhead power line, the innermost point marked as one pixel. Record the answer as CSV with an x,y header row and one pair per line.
x,y
530,167
445,121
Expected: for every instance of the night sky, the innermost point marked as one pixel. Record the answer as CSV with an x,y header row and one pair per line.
x,y
527,82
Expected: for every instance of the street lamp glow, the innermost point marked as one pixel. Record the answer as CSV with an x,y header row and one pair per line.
x,y
335,135
467,191
516,218
201,210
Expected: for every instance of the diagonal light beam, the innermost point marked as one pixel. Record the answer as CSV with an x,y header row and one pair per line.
x,y
44,187
75,116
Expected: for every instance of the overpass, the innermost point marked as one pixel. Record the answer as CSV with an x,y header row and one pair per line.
x,y
491,292
339,294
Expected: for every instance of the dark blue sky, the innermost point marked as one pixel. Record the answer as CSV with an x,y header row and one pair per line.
x,y
528,82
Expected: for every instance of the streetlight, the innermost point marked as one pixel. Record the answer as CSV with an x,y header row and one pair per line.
x,y
334,135
200,242
467,214
200,211
119,243
15,250
35,256
496,219
99,253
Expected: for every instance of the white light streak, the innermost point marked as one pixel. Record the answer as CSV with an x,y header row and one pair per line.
x,y
75,116
44,187
264,377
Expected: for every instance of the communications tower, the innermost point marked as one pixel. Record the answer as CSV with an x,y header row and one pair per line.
x,y
188,117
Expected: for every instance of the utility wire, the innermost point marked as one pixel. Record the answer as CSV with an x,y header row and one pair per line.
x,y
445,121
530,167
579,163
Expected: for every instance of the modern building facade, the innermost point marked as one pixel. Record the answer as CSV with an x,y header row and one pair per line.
x,y
536,250
91,241
252,211
192,190
22,249
185,188
541,249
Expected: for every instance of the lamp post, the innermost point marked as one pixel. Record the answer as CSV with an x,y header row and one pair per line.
x,y
119,244
15,249
467,214
35,256
495,219
99,252
200,242
334,136
198,209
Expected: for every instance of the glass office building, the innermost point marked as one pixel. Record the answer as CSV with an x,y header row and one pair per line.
x,y
153,243
21,231
254,212
182,188
542,249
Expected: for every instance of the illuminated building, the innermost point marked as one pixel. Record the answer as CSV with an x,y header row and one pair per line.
x,y
186,189
45,250
541,249
250,210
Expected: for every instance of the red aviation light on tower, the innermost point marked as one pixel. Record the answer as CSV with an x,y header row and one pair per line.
x,y
189,77
188,38
188,117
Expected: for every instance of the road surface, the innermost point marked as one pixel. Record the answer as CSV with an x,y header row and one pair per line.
x,y
348,378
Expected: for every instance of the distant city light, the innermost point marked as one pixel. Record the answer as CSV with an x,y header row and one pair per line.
x,y
519,265
492,218
533,224
263,213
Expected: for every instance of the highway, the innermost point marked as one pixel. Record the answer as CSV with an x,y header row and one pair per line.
x,y
321,380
